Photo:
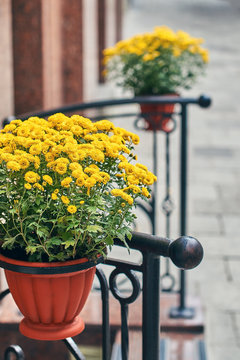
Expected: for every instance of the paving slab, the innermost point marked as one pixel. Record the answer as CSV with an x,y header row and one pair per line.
x,y
220,246
218,319
222,352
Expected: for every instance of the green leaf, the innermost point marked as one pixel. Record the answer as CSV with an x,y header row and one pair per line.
x,y
67,236
24,207
68,243
109,240
31,249
129,235
92,209
8,242
60,256
12,211
94,228
38,200
33,224
55,241
42,231
121,236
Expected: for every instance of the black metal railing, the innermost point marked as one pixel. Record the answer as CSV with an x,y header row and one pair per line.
x,y
185,252
179,120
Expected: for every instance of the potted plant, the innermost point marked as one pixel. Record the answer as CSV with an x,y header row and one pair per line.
x,y
68,187
158,63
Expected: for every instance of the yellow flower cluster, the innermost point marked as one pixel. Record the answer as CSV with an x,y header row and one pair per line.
x,y
150,45
160,62
123,195
64,154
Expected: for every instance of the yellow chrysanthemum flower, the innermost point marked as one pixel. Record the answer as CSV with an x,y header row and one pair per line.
x,y
72,209
77,173
104,125
145,193
123,195
61,168
38,186
54,196
24,163
23,131
36,162
49,157
80,181
65,200
31,177
7,157
13,165
75,166
48,179
35,149
28,186
66,182
77,130
73,156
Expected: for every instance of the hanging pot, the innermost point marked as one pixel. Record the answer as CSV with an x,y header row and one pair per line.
x,y
50,295
158,116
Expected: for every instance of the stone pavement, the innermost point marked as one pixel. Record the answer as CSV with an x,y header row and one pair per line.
x,y
214,160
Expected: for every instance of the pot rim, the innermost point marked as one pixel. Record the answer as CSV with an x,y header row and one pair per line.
x,y
45,268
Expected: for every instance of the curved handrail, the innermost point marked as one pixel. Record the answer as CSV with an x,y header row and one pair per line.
x,y
203,101
185,252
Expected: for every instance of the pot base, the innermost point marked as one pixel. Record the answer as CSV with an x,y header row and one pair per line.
x,y
51,331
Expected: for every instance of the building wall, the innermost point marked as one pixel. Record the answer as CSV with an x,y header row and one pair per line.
x,y
53,51
102,28
6,83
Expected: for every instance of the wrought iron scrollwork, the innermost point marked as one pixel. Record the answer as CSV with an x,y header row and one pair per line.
x,y
4,293
74,349
14,350
124,302
105,313
168,280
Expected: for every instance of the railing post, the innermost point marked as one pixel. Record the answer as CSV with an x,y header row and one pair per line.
x,y
182,311
155,171
106,338
151,307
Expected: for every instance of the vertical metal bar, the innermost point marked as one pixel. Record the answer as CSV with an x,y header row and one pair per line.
x,y
155,171
119,18
181,311
106,353
167,184
183,196
101,23
167,196
151,307
155,167
124,331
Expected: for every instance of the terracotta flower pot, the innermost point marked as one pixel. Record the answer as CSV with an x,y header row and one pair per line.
x,y
157,116
50,295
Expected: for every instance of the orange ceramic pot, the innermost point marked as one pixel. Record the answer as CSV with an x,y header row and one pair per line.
x,y
157,116
49,295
